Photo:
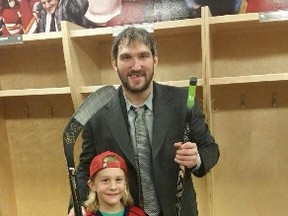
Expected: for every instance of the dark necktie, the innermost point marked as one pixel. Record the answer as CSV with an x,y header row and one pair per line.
x,y
144,152
52,23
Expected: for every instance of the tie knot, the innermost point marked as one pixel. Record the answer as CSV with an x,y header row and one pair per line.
x,y
139,110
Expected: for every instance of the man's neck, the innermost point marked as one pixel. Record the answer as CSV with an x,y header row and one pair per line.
x,y
138,99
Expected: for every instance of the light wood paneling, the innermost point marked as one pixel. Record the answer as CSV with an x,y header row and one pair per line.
x,y
42,67
250,122
37,158
7,192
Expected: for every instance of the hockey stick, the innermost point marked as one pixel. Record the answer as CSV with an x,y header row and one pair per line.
x,y
91,105
181,174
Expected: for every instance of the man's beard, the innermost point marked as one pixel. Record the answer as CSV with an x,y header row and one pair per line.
x,y
131,89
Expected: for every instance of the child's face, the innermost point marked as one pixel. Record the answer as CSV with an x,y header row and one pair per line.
x,y
109,184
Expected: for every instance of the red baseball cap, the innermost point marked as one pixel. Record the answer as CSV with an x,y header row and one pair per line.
x,y
98,163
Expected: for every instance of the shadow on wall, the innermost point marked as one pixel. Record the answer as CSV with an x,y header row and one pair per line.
x,y
1,206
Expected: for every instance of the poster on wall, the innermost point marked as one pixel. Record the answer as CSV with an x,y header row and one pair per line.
x,y
35,16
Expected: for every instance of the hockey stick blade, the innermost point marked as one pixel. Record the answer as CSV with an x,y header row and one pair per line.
x,y
88,108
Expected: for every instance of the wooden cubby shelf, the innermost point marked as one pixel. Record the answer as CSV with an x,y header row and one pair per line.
x,y
249,79
241,65
31,92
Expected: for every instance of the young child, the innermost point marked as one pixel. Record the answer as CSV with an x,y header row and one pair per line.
x,y
109,194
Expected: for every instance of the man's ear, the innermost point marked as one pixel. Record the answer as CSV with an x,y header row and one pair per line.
x,y
156,60
114,64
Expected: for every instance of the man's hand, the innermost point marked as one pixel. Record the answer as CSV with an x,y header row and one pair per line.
x,y
72,213
186,154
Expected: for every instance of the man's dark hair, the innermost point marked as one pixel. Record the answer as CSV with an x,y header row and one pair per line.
x,y
131,34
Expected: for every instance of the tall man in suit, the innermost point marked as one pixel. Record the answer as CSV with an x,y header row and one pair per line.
x,y
134,57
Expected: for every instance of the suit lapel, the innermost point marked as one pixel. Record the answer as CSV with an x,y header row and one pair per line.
x,y
163,110
117,124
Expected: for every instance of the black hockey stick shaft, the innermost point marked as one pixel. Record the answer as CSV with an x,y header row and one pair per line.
x,y
89,107
69,139
181,175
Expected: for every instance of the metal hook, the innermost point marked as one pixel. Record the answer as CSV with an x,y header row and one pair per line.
x,y
26,111
50,114
212,109
242,101
274,99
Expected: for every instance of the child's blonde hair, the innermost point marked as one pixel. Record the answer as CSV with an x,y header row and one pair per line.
x,y
92,202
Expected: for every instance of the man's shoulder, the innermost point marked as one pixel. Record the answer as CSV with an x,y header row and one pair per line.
x,y
169,89
112,105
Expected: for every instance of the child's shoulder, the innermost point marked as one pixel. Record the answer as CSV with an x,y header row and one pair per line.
x,y
89,213
136,211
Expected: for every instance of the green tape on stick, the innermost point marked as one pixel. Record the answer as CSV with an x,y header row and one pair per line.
x,y
191,92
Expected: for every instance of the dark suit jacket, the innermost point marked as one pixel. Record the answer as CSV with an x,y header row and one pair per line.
x,y
108,129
